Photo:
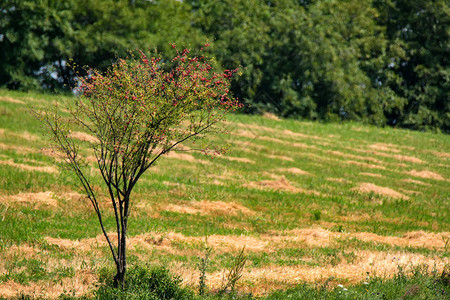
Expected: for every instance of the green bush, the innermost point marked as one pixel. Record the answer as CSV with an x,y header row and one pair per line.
x,y
143,282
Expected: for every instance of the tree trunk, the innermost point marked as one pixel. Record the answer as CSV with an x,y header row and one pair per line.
x,y
121,266
119,279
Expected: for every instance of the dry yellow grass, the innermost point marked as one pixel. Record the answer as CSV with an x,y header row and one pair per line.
x,y
258,127
303,238
181,156
263,279
81,283
24,135
210,208
45,169
383,191
281,157
352,156
295,171
304,146
409,180
340,180
271,116
371,174
365,165
83,136
279,184
16,148
384,147
245,134
269,278
240,145
35,199
238,159
271,139
399,157
425,174
301,135
441,154
11,100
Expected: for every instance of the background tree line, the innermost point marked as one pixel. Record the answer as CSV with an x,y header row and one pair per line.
x,y
383,62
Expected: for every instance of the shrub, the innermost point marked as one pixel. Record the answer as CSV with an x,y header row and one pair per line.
x,y
137,111
143,282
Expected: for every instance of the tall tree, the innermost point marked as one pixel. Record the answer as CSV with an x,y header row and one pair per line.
x,y
338,46
34,36
419,40
239,32
39,37
307,59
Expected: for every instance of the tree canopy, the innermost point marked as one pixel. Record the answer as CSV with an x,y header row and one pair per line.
x,y
383,62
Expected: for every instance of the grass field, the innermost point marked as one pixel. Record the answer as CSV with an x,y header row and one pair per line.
x,y
311,203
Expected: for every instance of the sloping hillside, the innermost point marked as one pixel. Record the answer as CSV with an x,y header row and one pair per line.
x,y
307,200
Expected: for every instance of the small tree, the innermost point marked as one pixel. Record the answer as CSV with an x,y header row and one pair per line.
x,y
139,110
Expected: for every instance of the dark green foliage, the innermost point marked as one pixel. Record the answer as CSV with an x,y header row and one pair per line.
x,y
34,35
240,30
300,62
39,37
107,29
336,60
418,44
143,282
382,62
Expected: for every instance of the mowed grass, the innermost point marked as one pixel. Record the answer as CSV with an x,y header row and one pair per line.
x,y
311,202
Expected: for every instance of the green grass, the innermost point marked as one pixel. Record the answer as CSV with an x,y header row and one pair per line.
x,y
418,285
333,155
156,282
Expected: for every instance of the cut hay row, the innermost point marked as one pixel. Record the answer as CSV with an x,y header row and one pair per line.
x,y
307,201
